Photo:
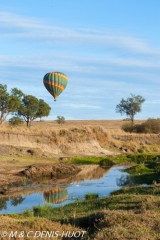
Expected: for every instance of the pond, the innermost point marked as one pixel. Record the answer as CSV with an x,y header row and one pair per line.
x,y
90,180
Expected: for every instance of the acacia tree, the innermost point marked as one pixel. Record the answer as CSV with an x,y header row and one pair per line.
x,y
28,108
131,106
32,108
43,109
8,103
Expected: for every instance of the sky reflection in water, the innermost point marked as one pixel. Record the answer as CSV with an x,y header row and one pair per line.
x,y
102,182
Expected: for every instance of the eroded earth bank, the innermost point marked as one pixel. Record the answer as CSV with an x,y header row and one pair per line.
x,y
44,148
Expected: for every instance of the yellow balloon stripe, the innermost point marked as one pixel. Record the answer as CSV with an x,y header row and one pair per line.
x,y
55,85
60,75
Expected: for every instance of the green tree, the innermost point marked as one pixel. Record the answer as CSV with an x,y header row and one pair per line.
x,y
60,120
32,108
9,103
28,109
15,121
18,93
130,107
43,109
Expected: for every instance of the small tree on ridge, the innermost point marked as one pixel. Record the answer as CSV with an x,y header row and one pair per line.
x,y
60,120
130,107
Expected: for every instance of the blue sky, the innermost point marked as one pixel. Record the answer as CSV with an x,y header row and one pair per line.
x,y
107,48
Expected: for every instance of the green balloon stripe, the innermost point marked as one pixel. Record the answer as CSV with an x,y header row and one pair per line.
x,y
56,197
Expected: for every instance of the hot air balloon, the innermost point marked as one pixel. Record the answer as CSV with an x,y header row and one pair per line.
x,y
55,83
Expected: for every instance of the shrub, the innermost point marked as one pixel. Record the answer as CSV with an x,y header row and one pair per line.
x,y
139,169
139,128
140,150
150,126
15,121
90,196
106,163
127,127
60,120
141,158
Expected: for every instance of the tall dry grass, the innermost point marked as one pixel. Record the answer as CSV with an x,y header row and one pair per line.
x,y
112,126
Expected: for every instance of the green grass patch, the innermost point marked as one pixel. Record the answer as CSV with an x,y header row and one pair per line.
x,y
90,196
106,163
86,160
134,158
149,178
119,158
139,169
142,190
98,160
147,172
142,158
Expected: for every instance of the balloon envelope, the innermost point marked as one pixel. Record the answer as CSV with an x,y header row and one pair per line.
x,y
56,195
55,83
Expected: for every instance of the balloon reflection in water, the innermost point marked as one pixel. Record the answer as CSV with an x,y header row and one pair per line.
x,y
55,195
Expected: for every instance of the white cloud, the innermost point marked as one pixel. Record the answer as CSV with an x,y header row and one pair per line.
x,y
25,27
81,105
11,20
77,64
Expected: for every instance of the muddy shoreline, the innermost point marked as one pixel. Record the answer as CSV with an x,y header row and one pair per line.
x,y
26,178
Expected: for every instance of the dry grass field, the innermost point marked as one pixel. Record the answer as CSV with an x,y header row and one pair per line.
x,y
112,126
75,137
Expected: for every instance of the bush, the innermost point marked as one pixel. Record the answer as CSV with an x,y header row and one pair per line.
x,y
150,126
127,127
90,196
139,128
142,158
60,120
106,163
15,121
140,150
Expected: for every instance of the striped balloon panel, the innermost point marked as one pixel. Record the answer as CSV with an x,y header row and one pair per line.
x,y
52,196
55,83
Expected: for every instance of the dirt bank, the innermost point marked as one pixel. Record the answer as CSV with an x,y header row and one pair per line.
x,y
53,171
74,138
37,178
18,177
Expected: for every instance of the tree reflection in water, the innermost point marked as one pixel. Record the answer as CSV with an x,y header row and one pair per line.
x,y
17,200
3,203
125,181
